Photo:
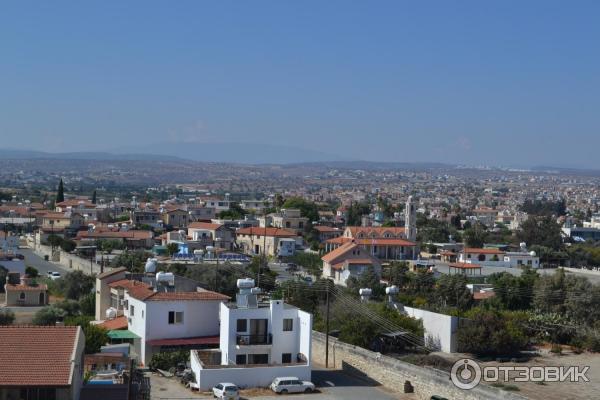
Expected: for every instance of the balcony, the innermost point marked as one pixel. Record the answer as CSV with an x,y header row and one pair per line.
x,y
253,340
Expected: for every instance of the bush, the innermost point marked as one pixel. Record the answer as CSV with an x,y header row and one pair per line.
x,y
31,272
87,304
74,285
167,360
49,316
7,317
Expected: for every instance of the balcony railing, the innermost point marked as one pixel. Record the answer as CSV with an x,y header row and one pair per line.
x,y
250,340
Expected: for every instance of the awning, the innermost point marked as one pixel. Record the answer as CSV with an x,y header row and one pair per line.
x,y
201,340
122,334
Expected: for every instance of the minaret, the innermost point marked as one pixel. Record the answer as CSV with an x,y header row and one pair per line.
x,y
410,220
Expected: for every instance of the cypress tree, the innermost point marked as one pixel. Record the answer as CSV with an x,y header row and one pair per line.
x,y
94,197
60,195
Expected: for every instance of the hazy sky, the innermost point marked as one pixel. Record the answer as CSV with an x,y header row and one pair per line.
x,y
497,82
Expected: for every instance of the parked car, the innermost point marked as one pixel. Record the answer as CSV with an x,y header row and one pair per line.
x,y
53,275
226,391
291,384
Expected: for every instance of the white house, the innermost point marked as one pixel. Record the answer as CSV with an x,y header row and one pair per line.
x,y
348,260
258,342
171,319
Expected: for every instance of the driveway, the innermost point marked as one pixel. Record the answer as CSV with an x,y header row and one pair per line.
x,y
331,385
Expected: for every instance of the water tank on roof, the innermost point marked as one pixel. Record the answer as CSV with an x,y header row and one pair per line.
x,y
111,313
165,278
198,252
245,283
150,266
365,294
391,290
532,253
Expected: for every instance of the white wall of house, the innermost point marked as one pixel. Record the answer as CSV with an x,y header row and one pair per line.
x,y
151,321
440,329
293,342
245,377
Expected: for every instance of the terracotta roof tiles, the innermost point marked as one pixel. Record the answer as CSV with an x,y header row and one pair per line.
x,y
37,355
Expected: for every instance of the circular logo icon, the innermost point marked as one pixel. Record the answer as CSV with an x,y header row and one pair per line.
x,y
466,374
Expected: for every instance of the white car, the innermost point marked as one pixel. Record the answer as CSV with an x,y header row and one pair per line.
x,y
291,384
226,391
53,275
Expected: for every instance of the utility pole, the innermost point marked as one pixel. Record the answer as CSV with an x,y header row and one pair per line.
x,y
327,329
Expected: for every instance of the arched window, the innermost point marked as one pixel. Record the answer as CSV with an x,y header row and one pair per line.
x,y
22,296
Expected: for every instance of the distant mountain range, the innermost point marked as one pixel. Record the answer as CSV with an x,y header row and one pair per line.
x,y
13,154
244,153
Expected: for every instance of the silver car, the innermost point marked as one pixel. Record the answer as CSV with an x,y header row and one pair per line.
x,y
291,384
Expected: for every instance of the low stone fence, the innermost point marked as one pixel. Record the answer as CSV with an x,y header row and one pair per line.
x,y
392,373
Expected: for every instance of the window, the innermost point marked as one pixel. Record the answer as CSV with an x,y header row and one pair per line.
x,y
240,359
131,311
258,358
175,317
286,358
242,325
288,324
22,296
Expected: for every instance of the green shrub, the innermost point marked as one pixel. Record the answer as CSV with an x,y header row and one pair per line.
x,y
169,359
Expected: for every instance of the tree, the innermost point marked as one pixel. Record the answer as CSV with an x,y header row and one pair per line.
x,y
235,212
307,208
87,304
398,273
475,236
74,285
67,245
94,197
368,279
545,207
355,213
452,291
134,261
60,194
491,333
7,317
31,272
172,248
541,231
95,336
279,200
513,292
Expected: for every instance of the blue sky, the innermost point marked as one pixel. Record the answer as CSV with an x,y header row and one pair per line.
x,y
494,82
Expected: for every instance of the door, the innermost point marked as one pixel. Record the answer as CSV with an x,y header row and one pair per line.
x,y
258,331
42,299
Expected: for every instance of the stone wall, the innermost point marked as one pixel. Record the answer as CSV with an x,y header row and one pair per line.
x,y
71,262
392,373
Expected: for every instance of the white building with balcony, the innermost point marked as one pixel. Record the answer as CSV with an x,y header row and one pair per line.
x,y
258,342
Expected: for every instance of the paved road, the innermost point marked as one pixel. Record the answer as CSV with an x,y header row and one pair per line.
x,y
40,264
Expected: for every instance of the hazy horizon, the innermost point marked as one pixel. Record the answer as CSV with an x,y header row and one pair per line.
x,y
505,83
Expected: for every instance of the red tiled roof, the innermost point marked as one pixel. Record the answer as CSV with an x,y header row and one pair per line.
x,y
378,231
204,225
339,240
37,355
325,229
483,251
483,295
119,235
110,272
257,231
128,284
26,288
185,341
114,324
339,252
460,265
147,294
385,242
